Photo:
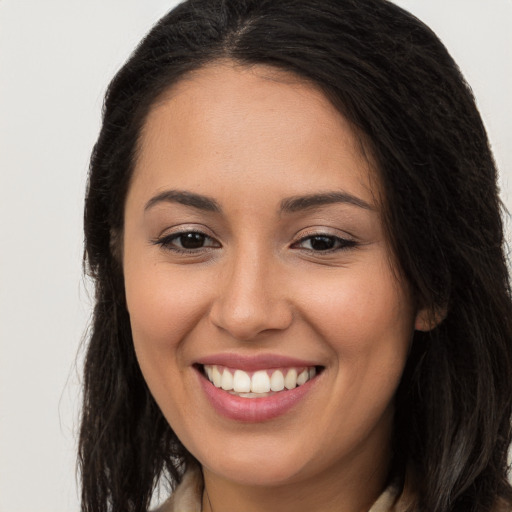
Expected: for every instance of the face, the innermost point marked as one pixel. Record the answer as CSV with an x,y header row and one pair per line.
x,y
267,317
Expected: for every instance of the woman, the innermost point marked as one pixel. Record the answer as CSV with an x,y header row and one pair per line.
x,y
302,300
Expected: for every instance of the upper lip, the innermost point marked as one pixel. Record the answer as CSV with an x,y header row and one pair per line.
x,y
255,362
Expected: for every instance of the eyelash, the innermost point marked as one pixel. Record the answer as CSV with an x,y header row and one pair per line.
x,y
340,244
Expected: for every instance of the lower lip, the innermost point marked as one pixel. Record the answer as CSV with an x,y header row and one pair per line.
x,y
253,410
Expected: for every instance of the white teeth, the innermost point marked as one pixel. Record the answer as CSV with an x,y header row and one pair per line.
x,y
290,381
277,381
303,377
251,395
227,380
241,382
216,377
260,382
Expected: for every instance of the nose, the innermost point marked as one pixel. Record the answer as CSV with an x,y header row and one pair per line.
x,y
251,298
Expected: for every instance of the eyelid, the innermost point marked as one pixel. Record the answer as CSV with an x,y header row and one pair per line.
x,y
312,231
186,228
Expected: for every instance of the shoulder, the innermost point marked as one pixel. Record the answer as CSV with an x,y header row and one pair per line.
x,y
188,495
502,505
387,500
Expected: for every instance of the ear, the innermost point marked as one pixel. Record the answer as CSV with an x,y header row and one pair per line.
x,y
116,245
428,319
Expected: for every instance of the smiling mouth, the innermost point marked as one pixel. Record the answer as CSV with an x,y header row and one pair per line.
x,y
258,384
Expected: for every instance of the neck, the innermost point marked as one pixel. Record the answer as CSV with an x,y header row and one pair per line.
x,y
350,490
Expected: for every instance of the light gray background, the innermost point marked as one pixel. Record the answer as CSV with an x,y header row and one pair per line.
x,y
56,58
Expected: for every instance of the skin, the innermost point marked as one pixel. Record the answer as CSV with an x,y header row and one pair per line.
x,y
250,138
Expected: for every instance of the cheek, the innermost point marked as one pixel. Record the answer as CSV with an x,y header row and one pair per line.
x,y
360,309
367,321
163,306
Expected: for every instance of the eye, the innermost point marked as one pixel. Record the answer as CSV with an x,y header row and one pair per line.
x,y
323,243
187,241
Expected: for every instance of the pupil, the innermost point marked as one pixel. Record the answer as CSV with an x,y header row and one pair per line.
x,y
322,243
192,240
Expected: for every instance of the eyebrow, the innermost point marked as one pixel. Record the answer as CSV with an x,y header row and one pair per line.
x,y
186,198
299,203
289,205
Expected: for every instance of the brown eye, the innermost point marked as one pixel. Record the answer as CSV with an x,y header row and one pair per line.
x,y
191,240
187,241
323,243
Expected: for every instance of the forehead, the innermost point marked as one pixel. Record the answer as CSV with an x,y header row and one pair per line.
x,y
243,123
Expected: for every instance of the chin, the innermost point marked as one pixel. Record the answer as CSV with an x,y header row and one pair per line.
x,y
266,473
